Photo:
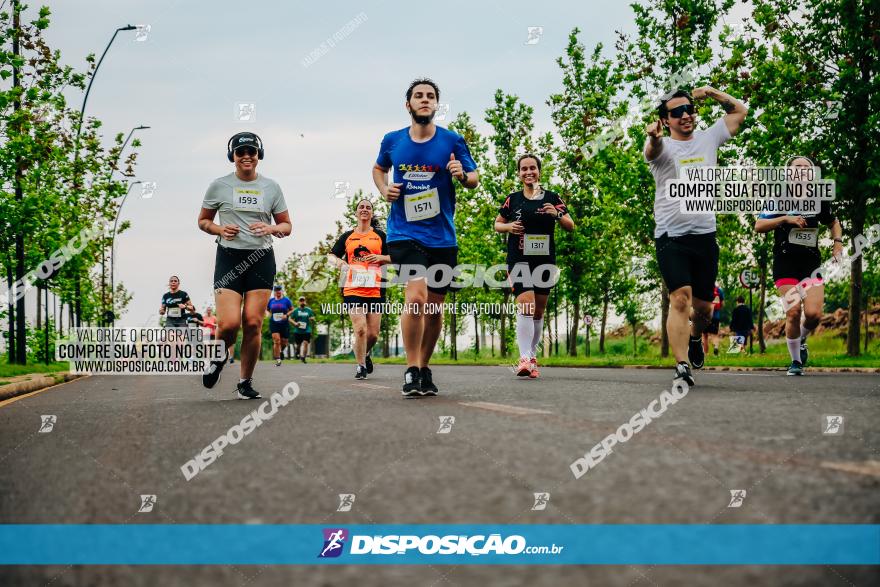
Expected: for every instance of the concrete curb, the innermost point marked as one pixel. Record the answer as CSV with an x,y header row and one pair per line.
x,y
37,383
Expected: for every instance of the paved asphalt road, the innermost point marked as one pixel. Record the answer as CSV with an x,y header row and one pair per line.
x,y
118,437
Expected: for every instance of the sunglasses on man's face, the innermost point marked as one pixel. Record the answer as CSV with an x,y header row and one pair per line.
x,y
244,151
678,111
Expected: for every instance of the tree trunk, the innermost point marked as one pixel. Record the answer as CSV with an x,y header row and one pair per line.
x,y
573,350
555,341
587,342
10,341
454,330
634,338
855,306
605,300
503,342
39,308
664,315
867,320
46,331
476,335
762,271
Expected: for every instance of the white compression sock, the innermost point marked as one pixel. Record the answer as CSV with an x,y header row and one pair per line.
x,y
794,348
525,331
536,338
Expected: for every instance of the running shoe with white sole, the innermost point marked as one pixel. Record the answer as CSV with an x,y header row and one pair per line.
x,y
683,373
411,387
426,382
696,355
277,362
246,390
360,373
533,372
805,353
796,368
524,367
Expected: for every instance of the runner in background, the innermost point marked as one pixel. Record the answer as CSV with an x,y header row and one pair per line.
x,y
425,161
710,335
210,322
279,309
175,304
687,251
795,257
360,253
244,266
302,317
529,216
741,323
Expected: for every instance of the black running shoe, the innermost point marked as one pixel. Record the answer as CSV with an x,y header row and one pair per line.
x,y
683,373
369,363
805,354
246,390
796,368
212,375
695,353
361,373
303,359
411,386
426,383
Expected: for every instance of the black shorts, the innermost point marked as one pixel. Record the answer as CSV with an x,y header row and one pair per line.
x,y
244,270
436,263
371,305
176,323
690,259
299,337
282,328
792,267
540,281
713,326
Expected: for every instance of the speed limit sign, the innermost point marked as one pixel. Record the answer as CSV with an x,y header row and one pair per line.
x,y
750,278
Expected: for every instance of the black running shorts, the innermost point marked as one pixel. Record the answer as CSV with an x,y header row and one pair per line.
x,y
282,328
299,337
690,259
244,270
438,263
532,276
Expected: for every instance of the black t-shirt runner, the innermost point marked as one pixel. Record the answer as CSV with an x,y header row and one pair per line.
x,y
537,243
792,240
171,301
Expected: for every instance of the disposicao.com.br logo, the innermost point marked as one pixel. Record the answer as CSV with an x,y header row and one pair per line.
x,y
334,540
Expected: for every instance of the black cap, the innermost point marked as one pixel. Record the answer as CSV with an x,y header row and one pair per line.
x,y
276,287
245,139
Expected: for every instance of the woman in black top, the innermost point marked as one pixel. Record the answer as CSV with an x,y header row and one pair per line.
x,y
529,216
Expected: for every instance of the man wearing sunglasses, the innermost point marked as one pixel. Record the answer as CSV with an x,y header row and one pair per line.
x,y
687,252
244,270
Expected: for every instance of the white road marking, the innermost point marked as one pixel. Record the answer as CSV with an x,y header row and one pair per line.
x,y
870,468
504,408
371,385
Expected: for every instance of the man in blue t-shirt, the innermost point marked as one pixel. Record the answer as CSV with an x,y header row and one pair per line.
x,y
424,160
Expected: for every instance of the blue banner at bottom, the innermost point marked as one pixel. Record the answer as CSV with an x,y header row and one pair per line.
x,y
454,544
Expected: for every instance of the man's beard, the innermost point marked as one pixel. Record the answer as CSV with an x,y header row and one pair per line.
x,y
423,120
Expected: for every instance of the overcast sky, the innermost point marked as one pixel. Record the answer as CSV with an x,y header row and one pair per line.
x,y
321,123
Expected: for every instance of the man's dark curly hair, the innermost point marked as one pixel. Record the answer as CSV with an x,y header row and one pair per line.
x,y
419,82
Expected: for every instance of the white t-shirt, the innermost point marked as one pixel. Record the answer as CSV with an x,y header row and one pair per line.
x,y
700,150
243,203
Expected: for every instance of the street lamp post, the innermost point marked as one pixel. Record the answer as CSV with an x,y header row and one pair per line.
x,y
82,113
113,254
103,256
